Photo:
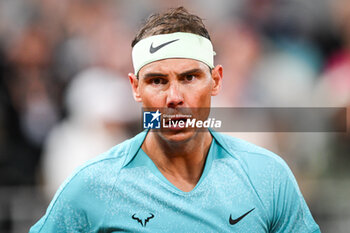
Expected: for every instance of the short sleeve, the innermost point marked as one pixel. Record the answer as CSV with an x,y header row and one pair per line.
x,y
64,214
291,213
79,203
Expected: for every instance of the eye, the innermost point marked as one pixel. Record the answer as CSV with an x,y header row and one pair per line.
x,y
190,77
157,81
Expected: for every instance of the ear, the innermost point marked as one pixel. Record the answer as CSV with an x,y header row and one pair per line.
x,y
135,87
216,74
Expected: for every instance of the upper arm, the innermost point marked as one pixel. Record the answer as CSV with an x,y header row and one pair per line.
x,y
290,211
79,204
68,210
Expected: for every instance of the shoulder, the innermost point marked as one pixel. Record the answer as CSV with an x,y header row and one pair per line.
x,y
109,163
256,162
247,152
91,183
97,177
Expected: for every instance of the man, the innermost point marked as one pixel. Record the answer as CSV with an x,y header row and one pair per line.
x,y
178,179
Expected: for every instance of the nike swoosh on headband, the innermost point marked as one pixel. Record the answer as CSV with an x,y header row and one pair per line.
x,y
155,49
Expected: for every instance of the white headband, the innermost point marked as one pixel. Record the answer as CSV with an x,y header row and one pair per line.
x,y
174,45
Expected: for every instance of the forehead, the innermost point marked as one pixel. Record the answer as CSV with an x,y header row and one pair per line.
x,y
173,65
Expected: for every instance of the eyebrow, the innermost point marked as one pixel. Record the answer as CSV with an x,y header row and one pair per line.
x,y
150,75
190,72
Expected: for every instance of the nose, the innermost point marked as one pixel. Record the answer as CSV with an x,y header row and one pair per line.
x,y
174,96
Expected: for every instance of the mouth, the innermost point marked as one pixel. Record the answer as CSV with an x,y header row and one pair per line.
x,y
176,119
176,123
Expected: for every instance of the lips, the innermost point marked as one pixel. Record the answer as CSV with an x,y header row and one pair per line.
x,y
176,119
175,123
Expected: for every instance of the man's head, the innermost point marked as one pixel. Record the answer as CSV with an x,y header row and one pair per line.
x,y
173,61
173,34
174,20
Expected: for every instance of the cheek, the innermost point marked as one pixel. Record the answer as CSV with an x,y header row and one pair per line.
x,y
150,98
200,96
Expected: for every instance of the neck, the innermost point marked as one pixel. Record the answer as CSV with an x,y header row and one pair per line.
x,y
182,163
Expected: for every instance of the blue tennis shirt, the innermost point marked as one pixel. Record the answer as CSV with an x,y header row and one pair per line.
x,y
243,188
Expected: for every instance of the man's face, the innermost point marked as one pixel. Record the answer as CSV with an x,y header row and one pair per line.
x,y
173,84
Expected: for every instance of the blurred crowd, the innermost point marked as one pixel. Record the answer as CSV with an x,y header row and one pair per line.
x,y
65,97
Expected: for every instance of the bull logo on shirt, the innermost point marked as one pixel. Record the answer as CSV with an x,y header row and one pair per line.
x,y
145,221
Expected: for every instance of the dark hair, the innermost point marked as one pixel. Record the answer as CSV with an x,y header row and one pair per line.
x,y
174,20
